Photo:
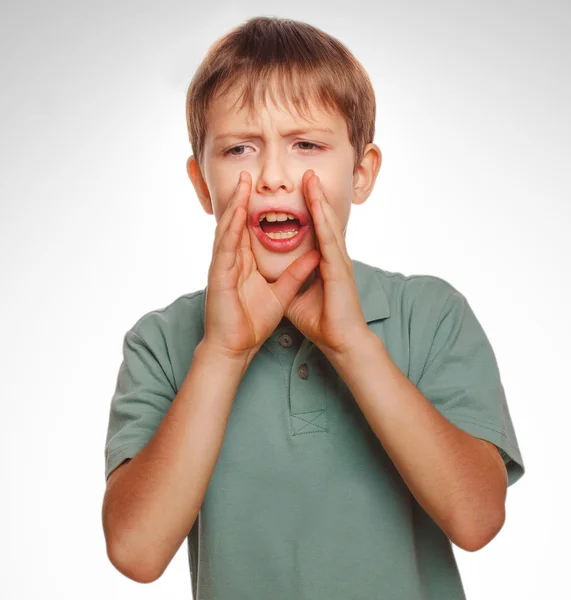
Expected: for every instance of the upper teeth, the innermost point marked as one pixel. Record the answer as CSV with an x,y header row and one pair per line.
x,y
277,216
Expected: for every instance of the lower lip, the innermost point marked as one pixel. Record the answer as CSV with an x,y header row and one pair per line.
x,y
282,245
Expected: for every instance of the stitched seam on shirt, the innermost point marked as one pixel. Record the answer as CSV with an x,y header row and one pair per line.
x,y
482,424
156,358
288,393
319,413
123,446
281,367
426,365
493,425
320,430
320,410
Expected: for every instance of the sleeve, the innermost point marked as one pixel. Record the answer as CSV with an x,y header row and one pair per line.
x,y
461,378
142,396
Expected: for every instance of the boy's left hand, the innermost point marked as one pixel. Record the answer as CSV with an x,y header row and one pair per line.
x,y
329,312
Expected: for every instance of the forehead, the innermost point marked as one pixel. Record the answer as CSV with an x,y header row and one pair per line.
x,y
228,114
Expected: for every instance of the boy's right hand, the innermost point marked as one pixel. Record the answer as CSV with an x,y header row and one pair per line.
x,y
242,309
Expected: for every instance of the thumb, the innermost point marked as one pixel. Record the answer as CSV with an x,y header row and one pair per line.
x,y
288,283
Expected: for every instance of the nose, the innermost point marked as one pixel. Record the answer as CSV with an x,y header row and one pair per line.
x,y
274,176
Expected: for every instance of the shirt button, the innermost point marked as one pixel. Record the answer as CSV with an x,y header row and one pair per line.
x,y
303,371
286,340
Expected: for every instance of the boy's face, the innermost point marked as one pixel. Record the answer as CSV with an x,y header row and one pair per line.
x,y
276,160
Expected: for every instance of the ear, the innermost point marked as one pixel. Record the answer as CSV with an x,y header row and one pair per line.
x,y
200,187
366,173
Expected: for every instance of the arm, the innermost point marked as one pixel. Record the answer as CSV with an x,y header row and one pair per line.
x,y
151,505
455,477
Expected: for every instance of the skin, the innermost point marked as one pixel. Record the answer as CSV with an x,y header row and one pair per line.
x,y
277,164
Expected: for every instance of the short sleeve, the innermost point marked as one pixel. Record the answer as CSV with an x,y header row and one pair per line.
x,y
142,396
461,378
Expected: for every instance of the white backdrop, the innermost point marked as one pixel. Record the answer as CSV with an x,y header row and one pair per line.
x,y
99,224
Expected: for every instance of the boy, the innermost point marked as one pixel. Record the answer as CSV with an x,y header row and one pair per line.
x,y
318,428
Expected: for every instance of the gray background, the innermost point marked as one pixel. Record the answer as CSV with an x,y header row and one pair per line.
x,y
99,225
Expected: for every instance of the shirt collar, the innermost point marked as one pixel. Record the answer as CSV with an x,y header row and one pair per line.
x,y
372,295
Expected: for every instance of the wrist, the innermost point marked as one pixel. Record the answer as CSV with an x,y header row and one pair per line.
x,y
219,354
361,345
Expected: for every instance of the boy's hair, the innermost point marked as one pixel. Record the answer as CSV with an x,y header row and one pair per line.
x,y
317,68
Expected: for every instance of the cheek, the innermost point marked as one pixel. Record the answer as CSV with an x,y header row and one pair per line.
x,y
221,197
341,206
338,189
218,208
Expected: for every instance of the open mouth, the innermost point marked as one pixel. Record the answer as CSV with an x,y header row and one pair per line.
x,y
280,230
281,233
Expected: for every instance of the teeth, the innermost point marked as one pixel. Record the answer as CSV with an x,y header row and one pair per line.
x,y
282,235
277,216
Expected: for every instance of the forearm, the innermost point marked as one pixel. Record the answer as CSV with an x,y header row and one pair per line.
x,y
448,471
152,506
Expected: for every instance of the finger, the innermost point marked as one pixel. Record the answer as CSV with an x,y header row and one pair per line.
x,y
328,210
240,197
329,247
335,225
330,214
311,192
288,283
307,197
245,242
225,257
228,213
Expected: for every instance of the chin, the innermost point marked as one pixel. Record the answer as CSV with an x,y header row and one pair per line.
x,y
272,264
273,268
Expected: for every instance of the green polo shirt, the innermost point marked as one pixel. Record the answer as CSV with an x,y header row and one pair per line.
x,y
304,502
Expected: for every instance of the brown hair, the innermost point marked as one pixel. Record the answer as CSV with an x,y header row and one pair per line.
x,y
317,67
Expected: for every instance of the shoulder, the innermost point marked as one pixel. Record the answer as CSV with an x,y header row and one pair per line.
x,y
183,317
410,293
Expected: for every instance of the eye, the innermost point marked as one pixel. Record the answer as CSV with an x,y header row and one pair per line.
x,y
235,148
311,144
306,150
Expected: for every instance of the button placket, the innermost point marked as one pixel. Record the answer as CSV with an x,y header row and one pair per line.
x,y
308,398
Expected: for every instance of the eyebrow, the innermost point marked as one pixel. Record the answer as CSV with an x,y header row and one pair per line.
x,y
245,134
